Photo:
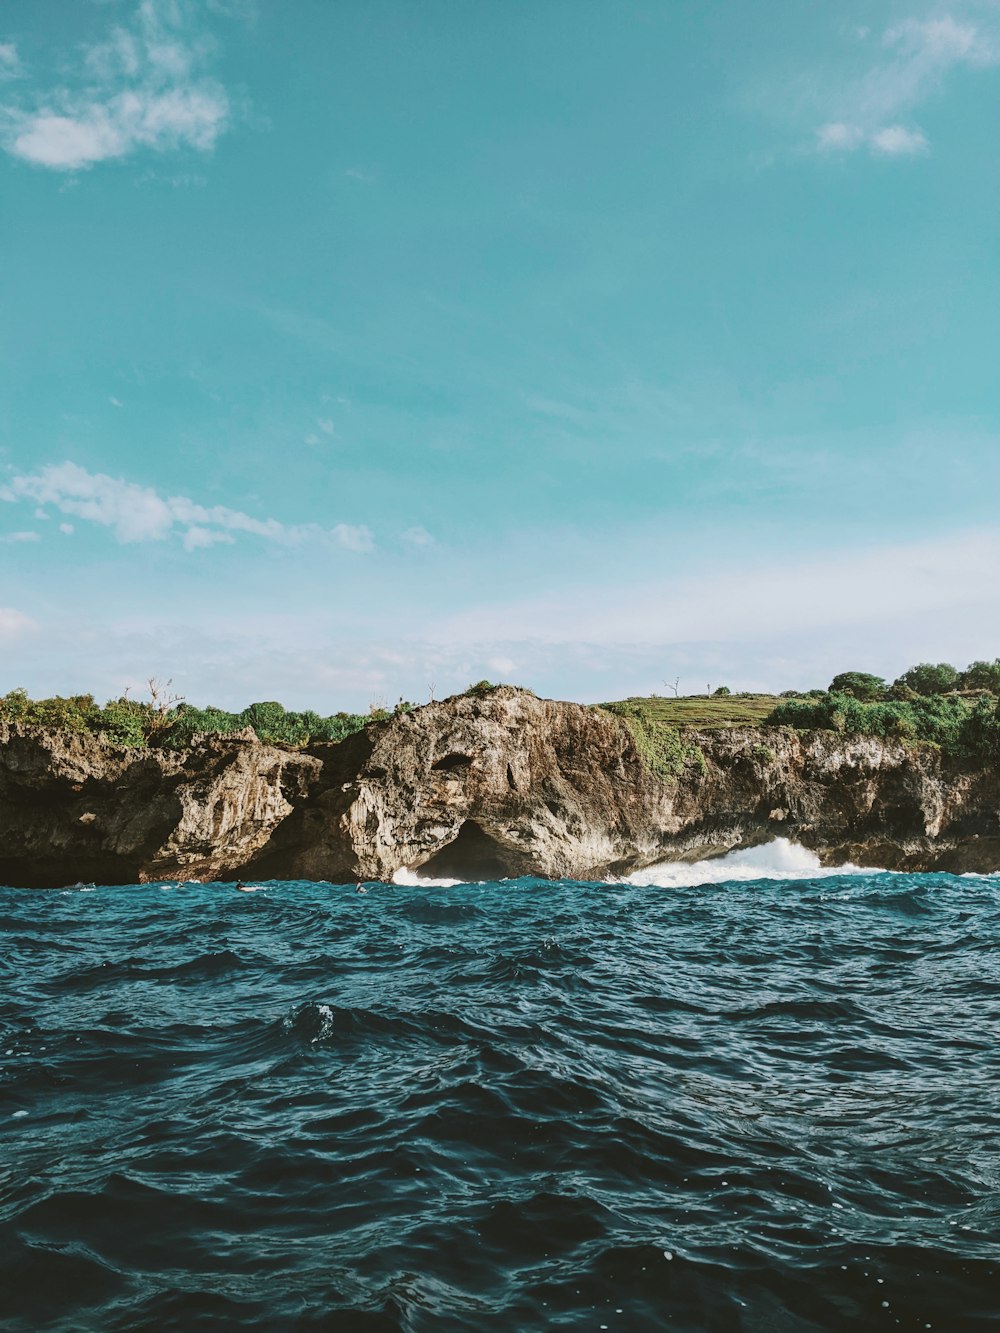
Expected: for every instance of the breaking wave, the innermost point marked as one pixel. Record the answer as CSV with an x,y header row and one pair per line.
x,y
780,859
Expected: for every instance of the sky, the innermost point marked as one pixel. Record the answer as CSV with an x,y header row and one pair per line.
x,y
361,350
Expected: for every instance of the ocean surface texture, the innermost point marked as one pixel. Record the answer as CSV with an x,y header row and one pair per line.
x,y
769,1101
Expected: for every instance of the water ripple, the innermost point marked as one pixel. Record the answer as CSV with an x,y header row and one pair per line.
x,y
743,1104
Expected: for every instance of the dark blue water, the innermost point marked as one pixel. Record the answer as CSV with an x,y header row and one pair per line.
x,y
746,1106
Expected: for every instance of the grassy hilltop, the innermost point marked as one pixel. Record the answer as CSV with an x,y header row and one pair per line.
x,y
703,711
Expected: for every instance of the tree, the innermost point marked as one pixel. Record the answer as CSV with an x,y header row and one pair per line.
x,y
859,685
981,676
926,678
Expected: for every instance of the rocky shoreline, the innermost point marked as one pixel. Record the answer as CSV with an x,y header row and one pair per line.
x,y
478,787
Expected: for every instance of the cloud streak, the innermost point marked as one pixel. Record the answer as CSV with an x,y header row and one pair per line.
x,y
915,58
145,87
136,513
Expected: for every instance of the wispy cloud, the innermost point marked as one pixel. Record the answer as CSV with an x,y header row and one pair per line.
x,y
10,62
144,87
909,64
353,538
13,624
847,588
898,141
417,536
17,537
136,513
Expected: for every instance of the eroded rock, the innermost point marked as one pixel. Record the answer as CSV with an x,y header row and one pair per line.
x,y
470,788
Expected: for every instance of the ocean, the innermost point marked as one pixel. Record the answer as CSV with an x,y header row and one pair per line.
x,y
746,1095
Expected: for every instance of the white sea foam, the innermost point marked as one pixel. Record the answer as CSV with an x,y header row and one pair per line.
x,y
413,880
780,859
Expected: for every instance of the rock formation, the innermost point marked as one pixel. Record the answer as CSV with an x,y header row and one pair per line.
x,y
478,787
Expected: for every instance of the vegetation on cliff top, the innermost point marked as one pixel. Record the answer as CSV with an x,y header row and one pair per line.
x,y
166,720
932,703
174,724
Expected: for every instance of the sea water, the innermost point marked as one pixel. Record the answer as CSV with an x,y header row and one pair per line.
x,y
746,1095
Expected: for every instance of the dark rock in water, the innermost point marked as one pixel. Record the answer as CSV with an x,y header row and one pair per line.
x,y
478,788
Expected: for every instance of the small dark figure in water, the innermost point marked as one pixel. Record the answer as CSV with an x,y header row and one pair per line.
x,y
360,889
240,884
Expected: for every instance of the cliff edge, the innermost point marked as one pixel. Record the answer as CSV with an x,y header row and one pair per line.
x,y
474,787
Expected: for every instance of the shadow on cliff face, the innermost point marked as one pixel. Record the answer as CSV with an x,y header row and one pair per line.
x,y
473,856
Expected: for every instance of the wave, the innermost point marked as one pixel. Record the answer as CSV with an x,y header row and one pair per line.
x,y
410,879
779,859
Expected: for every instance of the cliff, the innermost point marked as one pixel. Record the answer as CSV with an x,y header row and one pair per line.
x,y
501,785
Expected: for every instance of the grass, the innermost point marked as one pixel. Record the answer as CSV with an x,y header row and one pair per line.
x,y
705,711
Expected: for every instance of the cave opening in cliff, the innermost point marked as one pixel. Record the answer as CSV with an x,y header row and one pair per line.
x,y
473,855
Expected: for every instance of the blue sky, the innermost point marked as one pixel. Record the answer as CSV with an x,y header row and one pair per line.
x,y
355,350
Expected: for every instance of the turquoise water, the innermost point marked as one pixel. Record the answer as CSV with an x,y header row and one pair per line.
x,y
752,1104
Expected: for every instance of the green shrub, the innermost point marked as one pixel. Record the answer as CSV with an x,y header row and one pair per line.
x,y
123,721
859,685
481,689
981,676
659,747
981,734
961,728
926,678
721,691
70,714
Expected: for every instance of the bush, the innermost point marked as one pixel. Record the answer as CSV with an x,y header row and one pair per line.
x,y
859,685
944,720
926,678
981,734
981,676
659,747
722,691
70,714
122,722
481,689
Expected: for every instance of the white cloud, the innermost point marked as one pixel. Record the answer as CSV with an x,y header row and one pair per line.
x,y
889,141
142,88
325,425
417,536
67,528
353,538
138,513
916,57
13,624
898,141
312,440
115,402
839,137
20,537
10,64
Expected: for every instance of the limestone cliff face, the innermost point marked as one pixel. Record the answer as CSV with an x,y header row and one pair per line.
x,y
73,808
477,787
